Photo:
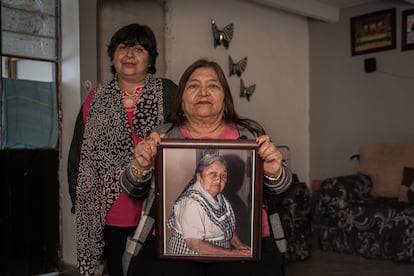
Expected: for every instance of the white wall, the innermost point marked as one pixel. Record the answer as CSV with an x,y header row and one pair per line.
x,y
275,42
349,107
88,44
71,101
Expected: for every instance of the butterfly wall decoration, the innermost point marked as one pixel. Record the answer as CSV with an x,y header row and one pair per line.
x,y
222,37
246,92
237,68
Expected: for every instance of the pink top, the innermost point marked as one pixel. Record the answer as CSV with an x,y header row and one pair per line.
x,y
231,132
125,212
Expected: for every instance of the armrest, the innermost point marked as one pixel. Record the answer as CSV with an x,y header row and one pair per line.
x,y
297,199
295,213
336,192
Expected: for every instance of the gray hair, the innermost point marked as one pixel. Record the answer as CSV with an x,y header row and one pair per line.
x,y
209,159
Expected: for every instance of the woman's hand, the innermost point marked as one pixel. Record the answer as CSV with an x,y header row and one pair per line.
x,y
145,152
271,155
207,248
240,248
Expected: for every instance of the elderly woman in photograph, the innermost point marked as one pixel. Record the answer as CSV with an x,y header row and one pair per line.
x,y
202,220
204,109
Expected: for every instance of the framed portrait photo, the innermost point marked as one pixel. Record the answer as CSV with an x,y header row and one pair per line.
x,y
373,32
407,27
209,200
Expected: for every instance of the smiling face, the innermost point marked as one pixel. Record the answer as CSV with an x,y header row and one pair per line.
x,y
213,178
131,62
203,97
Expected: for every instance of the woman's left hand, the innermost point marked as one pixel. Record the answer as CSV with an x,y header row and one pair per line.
x,y
271,155
146,150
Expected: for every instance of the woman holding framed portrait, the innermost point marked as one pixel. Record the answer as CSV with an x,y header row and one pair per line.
x,y
204,109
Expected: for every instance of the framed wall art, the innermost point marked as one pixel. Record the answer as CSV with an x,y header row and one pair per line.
x,y
208,198
407,28
373,32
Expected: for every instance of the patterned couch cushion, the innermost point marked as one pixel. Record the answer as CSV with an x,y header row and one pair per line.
x,y
407,185
353,222
384,164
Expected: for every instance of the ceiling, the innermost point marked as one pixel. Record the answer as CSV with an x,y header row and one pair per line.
x,y
324,10
350,3
345,3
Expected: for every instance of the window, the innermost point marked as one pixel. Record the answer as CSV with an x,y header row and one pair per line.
x,y
30,64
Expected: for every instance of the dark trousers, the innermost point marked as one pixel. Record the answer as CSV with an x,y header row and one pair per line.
x,y
115,241
146,263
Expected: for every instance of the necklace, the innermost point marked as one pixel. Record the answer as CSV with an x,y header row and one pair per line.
x,y
130,99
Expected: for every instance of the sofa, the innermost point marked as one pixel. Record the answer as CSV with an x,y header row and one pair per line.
x,y
295,213
371,212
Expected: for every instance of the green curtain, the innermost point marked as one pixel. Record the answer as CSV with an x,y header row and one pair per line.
x,y
29,114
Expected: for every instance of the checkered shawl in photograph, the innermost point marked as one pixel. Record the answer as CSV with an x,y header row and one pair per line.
x,y
223,217
177,245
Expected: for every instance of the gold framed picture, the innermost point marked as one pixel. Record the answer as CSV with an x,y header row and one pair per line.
x,y
373,32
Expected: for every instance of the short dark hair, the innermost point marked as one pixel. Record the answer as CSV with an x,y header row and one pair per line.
x,y
131,35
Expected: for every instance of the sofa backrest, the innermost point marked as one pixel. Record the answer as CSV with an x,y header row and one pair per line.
x,y
385,163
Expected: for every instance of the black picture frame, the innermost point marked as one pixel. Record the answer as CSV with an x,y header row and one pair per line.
x,y
373,32
176,161
407,30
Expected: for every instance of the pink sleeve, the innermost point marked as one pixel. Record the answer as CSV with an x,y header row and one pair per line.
x,y
86,105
